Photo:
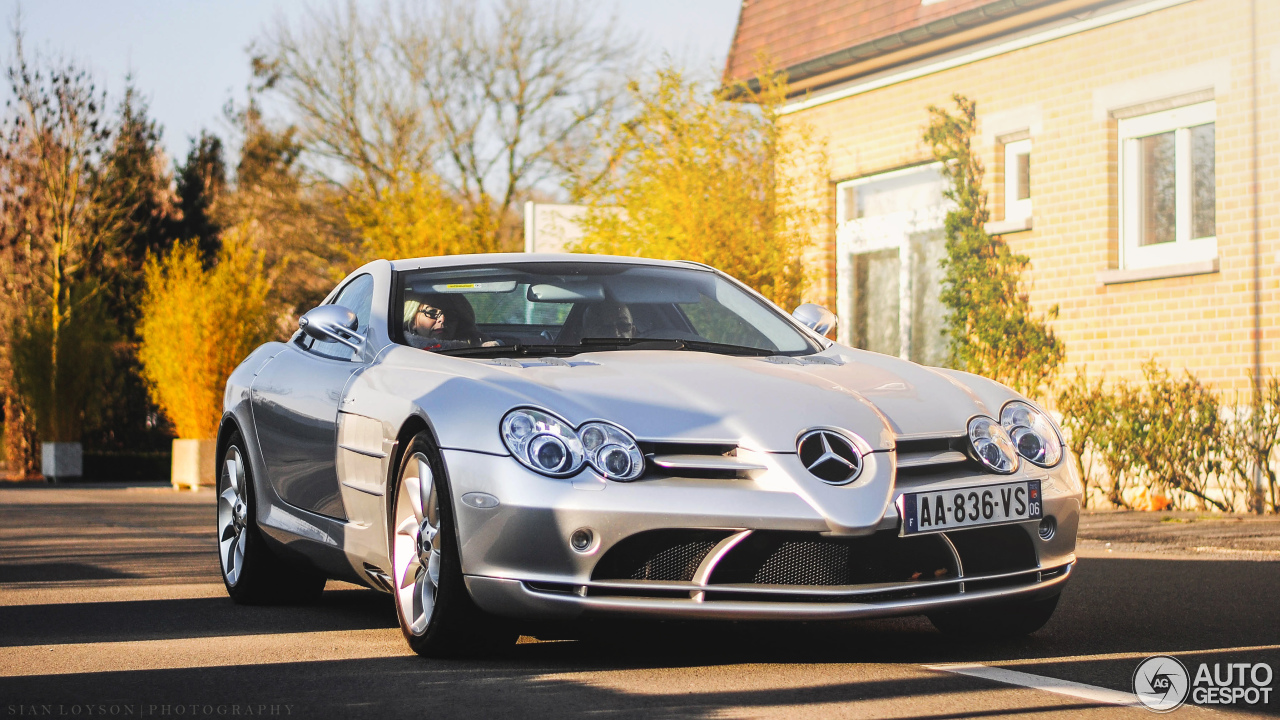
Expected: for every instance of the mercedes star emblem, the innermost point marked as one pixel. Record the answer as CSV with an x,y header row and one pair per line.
x,y
830,456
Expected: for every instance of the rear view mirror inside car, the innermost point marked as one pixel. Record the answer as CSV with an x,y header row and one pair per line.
x,y
577,292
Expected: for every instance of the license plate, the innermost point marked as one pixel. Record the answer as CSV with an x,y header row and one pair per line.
x,y
941,510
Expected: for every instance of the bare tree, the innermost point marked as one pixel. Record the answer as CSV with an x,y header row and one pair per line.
x,y
491,102
353,107
509,94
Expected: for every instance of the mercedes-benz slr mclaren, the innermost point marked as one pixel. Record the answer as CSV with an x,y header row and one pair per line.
x,y
504,439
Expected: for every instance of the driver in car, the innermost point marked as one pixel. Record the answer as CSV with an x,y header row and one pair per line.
x,y
441,322
608,319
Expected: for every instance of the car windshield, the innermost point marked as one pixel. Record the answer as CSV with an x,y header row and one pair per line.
x,y
566,308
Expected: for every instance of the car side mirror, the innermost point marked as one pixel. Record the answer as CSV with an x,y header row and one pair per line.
x,y
816,318
332,323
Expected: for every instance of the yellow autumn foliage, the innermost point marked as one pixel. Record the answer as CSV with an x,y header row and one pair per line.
x,y
697,175
416,217
198,324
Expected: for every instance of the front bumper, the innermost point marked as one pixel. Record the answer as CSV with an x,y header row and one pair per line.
x,y
513,598
518,561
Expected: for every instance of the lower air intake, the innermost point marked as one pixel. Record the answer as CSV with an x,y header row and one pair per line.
x,y
805,562
809,559
666,555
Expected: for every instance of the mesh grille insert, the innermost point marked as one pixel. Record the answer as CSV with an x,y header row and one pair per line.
x,y
666,555
806,562
809,559
678,562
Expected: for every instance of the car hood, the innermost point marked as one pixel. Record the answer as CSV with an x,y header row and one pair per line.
x,y
758,403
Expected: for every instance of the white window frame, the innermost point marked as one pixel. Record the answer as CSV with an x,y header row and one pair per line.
x,y
1015,209
1184,248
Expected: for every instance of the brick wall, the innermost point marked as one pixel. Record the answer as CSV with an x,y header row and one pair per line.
x,y
1203,323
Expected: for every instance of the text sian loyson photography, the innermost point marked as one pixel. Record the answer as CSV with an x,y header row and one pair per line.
x,y
716,358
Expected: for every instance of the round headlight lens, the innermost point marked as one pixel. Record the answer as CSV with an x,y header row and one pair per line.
x,y
1033,433
992,445
542,442
611,451
548,453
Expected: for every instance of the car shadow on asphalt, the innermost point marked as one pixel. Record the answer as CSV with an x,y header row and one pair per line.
x,y
407,687
132,620
1112,605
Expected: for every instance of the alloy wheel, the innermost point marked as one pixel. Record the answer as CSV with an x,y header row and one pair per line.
x,y
233,515
416,551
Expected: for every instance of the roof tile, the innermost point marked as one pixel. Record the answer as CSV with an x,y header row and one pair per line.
x,y
795,31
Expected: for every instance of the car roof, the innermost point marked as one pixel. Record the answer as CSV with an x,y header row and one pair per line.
x,y
449,261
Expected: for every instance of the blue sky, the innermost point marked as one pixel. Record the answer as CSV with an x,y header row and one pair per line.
x,y
189,56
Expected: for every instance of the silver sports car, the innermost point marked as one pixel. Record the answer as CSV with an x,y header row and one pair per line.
x,y
501,439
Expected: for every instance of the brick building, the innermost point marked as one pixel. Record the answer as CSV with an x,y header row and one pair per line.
x,y
1122,141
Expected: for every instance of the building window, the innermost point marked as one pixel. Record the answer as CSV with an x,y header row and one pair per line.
x,y
1167,195
889,245
1017,180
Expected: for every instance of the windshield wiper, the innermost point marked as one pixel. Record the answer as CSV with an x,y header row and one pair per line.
x,y
605,344
513,349
611,343
673,344
726,349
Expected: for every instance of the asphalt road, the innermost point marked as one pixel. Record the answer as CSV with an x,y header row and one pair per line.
x,y
111,604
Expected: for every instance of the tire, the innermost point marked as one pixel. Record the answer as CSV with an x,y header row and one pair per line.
x,y
251,572
436,613
996,621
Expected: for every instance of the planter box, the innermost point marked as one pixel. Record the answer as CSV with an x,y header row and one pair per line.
x,y
61,461
194,464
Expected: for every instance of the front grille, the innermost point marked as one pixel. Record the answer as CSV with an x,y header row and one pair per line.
x,y
922,457
678,562
809,559
805,562
667,555
690,449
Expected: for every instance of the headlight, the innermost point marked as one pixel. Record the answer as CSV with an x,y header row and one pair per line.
x,y
611,451
992,445
1032,433
542,442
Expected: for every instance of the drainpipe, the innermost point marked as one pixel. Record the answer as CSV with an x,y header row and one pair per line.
x,y
1258,497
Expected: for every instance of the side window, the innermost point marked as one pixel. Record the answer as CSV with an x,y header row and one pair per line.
x,y
357,297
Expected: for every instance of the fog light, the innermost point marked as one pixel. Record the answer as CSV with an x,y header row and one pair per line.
x,y
581,539
1048,528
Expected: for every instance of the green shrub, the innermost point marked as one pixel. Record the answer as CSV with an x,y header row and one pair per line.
x,y
1249,443
60,357
990,327
1177,433
1169,436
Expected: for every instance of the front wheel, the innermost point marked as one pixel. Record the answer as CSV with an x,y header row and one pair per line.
x,y
252,574
996,621
437,616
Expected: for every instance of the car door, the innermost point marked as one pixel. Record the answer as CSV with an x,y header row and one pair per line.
x,y
295,401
